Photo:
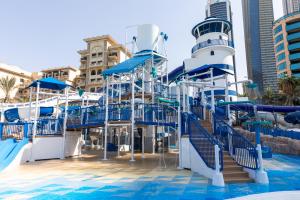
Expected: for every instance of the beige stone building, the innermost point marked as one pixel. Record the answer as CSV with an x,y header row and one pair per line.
x,y
101,53
23,79
65,74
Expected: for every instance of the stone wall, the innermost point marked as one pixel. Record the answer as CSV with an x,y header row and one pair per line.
x,y
281,145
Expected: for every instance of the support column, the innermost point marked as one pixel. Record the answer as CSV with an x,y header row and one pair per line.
x,y
227,99
106,120
132,118
212,96
35,121
65,122
179,127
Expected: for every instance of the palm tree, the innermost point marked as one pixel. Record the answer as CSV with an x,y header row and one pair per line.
x,y
290,87
268,97
7,84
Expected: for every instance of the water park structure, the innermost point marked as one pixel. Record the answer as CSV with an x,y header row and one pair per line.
x,y
193,110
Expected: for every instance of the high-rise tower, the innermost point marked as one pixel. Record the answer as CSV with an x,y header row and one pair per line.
x,y
258,28
220,9
290,6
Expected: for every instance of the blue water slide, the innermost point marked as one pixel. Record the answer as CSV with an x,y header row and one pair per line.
x,y
12,115
266,108
9,150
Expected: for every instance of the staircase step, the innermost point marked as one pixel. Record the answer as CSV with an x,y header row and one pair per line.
x,y
238,180
241,174
234,167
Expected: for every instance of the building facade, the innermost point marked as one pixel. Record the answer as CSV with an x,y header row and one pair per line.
x,y
66,74
101,53
220,9
287,45
23,79
258,29
290,6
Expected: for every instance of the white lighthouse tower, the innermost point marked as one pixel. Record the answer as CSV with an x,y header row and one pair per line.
x,y
212,58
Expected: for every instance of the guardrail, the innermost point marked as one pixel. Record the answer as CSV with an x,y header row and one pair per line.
x,y
239,147
198,111
205,144
49,127
276,132
212,43
17,130
148,114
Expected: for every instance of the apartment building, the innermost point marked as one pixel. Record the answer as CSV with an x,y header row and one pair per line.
x,y
23,79
102,52
66,74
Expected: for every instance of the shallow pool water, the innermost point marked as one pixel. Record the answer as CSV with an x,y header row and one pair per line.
x,y
284,174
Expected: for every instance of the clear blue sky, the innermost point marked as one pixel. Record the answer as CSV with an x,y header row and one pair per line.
x,y
36,34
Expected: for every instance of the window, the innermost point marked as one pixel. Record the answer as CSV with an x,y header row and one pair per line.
x,y
94,55
282,66
208,41
278,38
94,63
100,54
99,62
99,72
22,80
93,80
93,72
212,53
92,90
280,57
280,47
278,29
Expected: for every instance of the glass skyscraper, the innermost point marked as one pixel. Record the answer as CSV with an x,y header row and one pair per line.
x,y
290,6
258,29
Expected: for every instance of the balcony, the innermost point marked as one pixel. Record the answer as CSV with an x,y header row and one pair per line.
x,y
293,27
293,37
295,46
212,43
295,67
295,56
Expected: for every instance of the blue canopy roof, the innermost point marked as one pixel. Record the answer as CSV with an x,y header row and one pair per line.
x,y
50,83
218,69
127,66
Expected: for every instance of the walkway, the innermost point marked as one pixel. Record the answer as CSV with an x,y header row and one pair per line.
x,y
90,178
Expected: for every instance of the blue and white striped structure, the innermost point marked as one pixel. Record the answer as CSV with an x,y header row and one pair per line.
x,y
212,59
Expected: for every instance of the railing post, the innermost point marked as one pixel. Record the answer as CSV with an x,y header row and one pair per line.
x,y
1,130
217,159
218,179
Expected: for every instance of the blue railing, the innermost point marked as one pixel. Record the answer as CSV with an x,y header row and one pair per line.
x,y
198,111
212,43
276,132
204,143
239,147
49,127
148,114
155,114
17,130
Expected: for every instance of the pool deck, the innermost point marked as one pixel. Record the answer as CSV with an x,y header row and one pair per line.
x,y
88,177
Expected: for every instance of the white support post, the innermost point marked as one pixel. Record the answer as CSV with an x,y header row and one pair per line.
x,y
143,143
119,143
35,121
132,118
65,122
30,104
179,127
183,97
218,179
227,99
106,120
212,96
143,112
203,103
261,175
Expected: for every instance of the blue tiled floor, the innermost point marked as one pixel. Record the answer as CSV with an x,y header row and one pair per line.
x,y
284,174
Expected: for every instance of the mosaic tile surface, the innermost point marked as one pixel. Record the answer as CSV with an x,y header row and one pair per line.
x,y
90,178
